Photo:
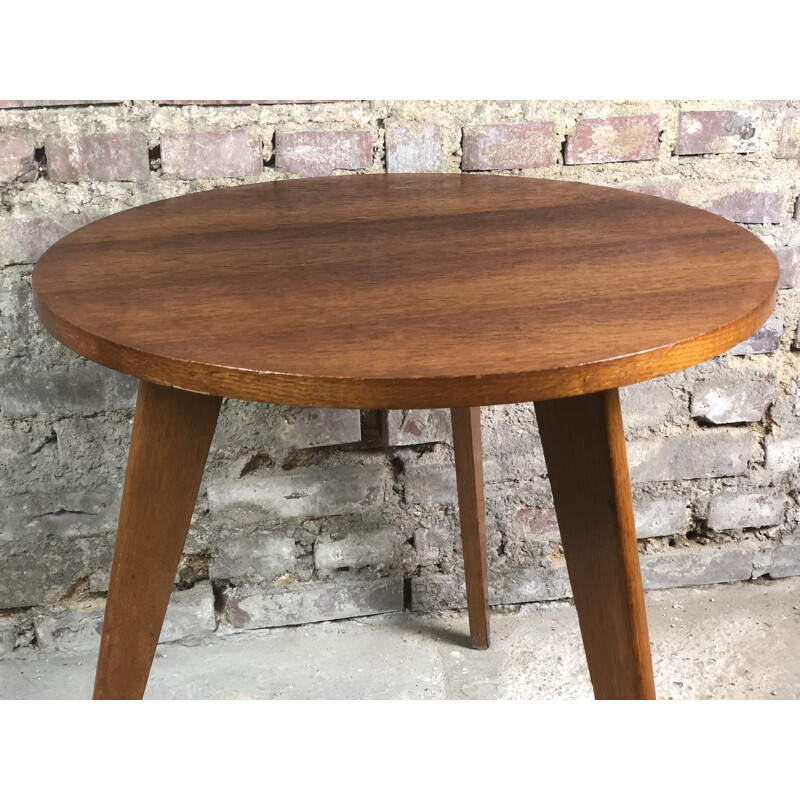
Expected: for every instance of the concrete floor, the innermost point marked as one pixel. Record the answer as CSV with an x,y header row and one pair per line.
x,y
735,641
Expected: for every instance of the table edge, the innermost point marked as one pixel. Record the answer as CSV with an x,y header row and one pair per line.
x,y
420,392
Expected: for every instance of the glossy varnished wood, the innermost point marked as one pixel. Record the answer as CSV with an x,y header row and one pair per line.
x,y
584,447
404,291
172,432
469,479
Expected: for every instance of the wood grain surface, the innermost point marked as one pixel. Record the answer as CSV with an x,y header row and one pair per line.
x,y
472,515
405,291
172,433
584,446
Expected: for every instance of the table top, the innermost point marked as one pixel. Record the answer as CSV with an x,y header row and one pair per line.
x,y
405,291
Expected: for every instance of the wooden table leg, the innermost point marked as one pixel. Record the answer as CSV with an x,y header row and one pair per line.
x,y
469,478
172,433
584,447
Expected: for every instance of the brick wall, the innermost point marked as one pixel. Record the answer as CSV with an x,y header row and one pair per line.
x,y
310,514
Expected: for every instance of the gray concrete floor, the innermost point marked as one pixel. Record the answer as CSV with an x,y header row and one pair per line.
x,y
735,641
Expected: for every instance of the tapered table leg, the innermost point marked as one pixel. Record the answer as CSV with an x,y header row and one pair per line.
x,y
469,478
172,433
584,447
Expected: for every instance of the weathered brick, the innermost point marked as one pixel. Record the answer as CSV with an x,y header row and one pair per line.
x,y
535,524
756,205
736,396
69,631
210,102
239,102
518,145
8,636
313,154
511,444
42,570
703,454
734,510
417,149
416,426
430,484
54,103
250,609
300,428
660,516
717,132
789,265
60,461
668,191
782,455
211,154
789,141
91,446
695,566
283,428
357,551
258,556
189,613
17,161
24,239
650,404
439,592
767,339
83,388
98,157
599,141
434,540
16,311
786,557
317,492
532,585
33,515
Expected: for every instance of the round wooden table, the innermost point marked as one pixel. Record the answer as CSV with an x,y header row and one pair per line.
x,y
402,291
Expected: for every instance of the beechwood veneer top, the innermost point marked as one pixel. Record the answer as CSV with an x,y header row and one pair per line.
x,y
403,291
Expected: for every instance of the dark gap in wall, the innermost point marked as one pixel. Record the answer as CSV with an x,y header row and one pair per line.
x,y
398,468
309,457
49,438
256,462
219,588
155,158
8,613
372,428
40,160
270,162
193,568
382,128
564,151
407,593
